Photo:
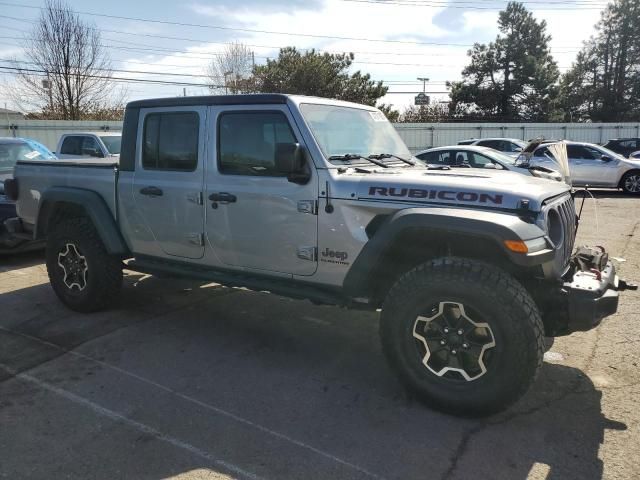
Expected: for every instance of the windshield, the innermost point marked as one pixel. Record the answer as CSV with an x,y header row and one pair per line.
x,y
12,152
341,130
112,142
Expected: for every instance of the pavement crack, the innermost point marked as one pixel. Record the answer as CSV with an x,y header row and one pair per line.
x,y
461,450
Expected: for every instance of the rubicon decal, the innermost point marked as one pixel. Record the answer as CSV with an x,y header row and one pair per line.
x,y
449,195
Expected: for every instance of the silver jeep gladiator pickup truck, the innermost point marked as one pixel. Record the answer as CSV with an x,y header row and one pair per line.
x,y
318,199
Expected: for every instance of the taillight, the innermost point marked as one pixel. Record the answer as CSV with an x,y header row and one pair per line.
x,y
11,188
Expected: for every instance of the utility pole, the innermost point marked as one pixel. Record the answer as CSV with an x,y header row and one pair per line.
x,y
424,81
226,82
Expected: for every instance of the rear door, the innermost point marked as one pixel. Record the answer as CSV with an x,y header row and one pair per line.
x,y
168,179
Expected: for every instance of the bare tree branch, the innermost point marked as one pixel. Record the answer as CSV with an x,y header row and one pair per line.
x,y
68,74
233,69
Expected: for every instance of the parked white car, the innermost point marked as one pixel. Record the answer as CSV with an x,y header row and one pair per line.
x,y
79,145
593,165
509,146
463,156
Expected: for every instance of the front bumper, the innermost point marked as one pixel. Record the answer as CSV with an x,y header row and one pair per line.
x,y
582,301
591,296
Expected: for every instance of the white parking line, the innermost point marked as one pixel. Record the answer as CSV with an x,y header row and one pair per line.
x,y
117,417
202,404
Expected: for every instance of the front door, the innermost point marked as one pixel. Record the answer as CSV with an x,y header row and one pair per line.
x,y
256,218
168,179
588,168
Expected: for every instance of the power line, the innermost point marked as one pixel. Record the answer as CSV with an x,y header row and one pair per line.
x,y
248,30
44,73
254,45
357,62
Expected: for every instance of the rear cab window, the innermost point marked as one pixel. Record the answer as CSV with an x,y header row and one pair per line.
x,y
170,141
72,145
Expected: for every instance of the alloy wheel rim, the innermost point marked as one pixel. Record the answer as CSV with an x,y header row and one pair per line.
x,y
632,184
451,344
74,266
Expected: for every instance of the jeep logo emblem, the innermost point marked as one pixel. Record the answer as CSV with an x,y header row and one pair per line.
x,y
340,256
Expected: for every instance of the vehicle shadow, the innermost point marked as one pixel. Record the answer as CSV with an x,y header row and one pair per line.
x,y
601,193
14,261
313,373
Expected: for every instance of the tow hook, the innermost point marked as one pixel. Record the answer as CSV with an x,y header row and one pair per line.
x,y
624,285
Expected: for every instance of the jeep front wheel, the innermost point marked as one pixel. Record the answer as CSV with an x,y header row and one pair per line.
x,y
463,335
82,273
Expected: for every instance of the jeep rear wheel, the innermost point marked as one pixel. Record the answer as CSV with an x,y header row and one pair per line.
x,y
82,273
463,335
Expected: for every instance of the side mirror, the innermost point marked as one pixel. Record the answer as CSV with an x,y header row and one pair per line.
x,y
606,158
290,161
491,166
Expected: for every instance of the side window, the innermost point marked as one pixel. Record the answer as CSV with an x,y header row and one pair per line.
x,y
512,147
460,158
627,144
592,153
90,146
578,152
479,161
170,141
435,158
542,151
71,146
247,142
495,144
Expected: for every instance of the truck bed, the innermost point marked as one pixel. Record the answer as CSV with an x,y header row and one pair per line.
x,y
98,175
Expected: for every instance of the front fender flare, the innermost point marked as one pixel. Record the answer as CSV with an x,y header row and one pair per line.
x,y
92,204
495,226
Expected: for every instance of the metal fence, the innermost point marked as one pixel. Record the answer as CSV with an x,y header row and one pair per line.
x,y
417,136
48,132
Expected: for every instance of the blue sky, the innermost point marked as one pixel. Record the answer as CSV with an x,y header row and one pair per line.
x,y
406,50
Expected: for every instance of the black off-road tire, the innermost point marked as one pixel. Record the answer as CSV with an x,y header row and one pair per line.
x,y
492,294
626,188
103,278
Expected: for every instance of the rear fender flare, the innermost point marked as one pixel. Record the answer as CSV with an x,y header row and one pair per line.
x,y
93,206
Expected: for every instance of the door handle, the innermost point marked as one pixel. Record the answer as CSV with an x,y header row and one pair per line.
x,y
151,191
223,197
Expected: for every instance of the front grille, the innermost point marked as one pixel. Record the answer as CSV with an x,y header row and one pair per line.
x,y
566,213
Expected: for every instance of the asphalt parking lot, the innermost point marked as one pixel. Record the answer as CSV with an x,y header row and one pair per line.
x,y
195,381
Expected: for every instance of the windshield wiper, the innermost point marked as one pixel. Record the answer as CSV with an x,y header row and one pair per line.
x,y
380,156
355,156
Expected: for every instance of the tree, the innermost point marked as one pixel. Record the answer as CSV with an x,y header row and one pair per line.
x,y
604,82
318,74
389,112
67,74
231,71
513,78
